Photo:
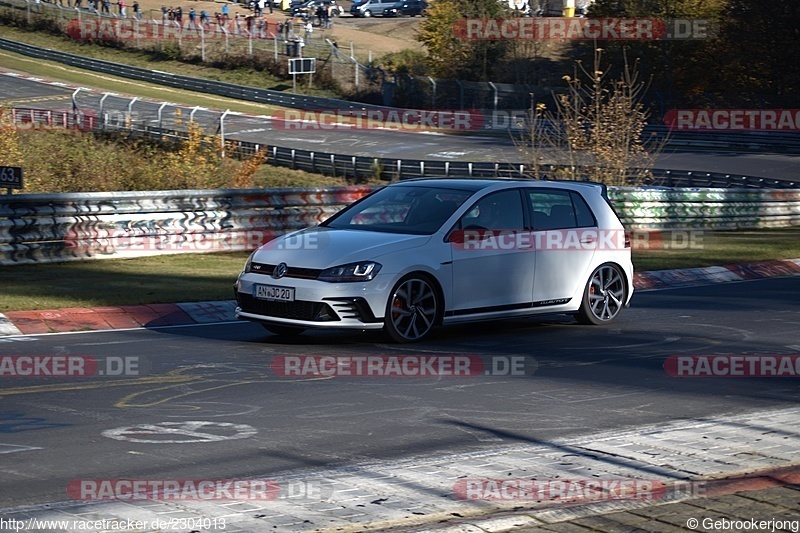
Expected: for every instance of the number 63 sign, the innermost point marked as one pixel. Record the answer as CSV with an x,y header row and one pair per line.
x,y
11,177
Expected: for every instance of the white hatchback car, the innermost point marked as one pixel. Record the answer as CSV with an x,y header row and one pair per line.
x,y
420,253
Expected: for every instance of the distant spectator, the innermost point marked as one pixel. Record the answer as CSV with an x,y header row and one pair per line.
x,y
204,20
137,12
121,7
193,19
225,11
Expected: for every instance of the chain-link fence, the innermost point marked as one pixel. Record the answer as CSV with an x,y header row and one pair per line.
x,y
423,92
211,38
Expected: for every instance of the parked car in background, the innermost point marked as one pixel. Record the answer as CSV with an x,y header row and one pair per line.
x,y
369,8
420,253
309,8
406,8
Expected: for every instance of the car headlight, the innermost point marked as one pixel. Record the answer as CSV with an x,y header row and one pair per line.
x,y
364,271
249,262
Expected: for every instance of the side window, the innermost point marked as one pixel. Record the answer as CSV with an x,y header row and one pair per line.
x,y
582,212
497,211
551,209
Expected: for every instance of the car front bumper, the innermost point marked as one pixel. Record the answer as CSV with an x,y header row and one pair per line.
x,y
317,304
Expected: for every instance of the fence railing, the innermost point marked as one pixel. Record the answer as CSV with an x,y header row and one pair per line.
x,y
43,228
168,121
364,77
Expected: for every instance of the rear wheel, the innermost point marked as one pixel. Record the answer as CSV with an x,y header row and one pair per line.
x,y
283,331
603,297
412,309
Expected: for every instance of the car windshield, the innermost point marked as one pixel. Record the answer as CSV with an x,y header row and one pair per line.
x,y
406,209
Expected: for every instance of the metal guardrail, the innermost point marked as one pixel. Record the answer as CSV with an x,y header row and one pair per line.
x,y
42,228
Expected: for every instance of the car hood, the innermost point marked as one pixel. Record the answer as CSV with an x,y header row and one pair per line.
x,y
321,247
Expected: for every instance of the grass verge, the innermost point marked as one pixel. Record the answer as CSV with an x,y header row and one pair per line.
x,y
197,277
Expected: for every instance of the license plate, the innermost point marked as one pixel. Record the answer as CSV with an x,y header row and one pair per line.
x,y
277,294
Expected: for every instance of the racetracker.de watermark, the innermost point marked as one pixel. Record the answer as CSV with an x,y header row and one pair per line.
x,y
71,366
732,119
405,366
389,118
580,239
561,490
199,489
733,366
581,29
124,29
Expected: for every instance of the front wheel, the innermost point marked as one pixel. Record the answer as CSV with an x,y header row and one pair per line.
x,y
411,310
603,297
367,13
283,331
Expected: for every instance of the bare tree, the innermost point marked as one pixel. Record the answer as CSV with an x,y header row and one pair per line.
x,y
596,130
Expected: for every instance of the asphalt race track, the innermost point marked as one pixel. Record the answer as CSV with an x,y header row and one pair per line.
x,y
586,379
19,92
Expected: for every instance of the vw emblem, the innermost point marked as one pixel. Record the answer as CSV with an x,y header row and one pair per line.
x,y
279,271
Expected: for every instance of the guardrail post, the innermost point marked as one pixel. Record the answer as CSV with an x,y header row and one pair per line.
x,y
75,104
447,169
522,171
78,12
355,168
422,169
130,106
274,47
469,167
399,168
222,132
194,110
160,115
313,166
433,92
293,157
333,164
494,90
102,112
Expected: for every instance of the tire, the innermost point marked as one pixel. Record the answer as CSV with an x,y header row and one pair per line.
x,y
367,13
604,296
283,331
412,310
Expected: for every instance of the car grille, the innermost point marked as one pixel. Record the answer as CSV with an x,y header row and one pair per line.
x,y
297,310
291,272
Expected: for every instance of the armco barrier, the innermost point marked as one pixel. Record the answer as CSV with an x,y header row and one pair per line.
x,y
712,209
42,228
